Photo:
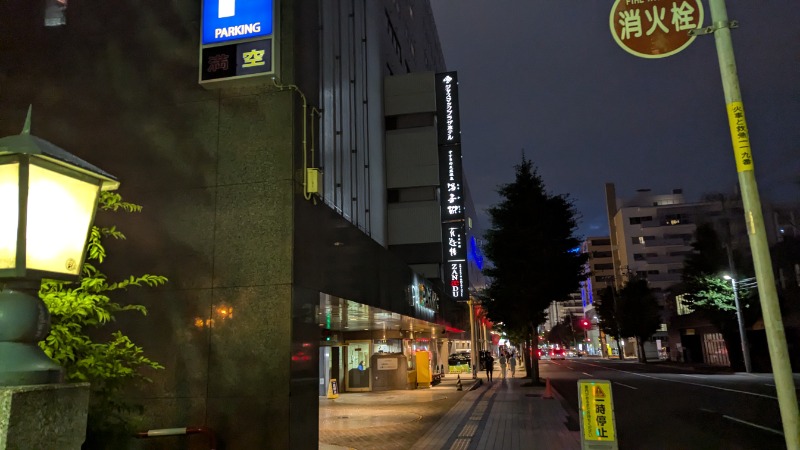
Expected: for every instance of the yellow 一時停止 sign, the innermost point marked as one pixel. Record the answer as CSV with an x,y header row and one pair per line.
x,y
596,414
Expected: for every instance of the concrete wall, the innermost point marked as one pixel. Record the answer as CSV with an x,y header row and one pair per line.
x,y
215,171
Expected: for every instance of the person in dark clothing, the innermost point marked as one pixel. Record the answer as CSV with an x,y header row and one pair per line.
x,y
489,366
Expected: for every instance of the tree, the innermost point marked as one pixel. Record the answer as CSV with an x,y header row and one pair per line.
x,y
706,292
632,311
639,313
566,333
81,308
606,308
532,249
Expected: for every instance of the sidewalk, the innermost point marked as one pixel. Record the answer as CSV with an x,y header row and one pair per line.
x,y
503,415
500,415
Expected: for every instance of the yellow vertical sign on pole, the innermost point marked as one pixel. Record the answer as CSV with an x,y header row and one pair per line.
x,y
740,137
598,428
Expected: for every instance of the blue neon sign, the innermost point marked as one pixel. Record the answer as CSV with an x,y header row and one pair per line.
x,y
228,20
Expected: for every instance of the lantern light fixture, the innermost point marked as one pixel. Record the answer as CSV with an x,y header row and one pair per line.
x,y
48,199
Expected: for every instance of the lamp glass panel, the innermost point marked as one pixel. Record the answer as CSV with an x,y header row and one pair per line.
x,y
60,212
9,214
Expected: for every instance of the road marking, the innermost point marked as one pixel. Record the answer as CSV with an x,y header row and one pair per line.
x,y
587,374
772,385
629,387
708,410
685,382
760,427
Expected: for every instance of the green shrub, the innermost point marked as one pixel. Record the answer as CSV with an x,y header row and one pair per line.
x,y
78,308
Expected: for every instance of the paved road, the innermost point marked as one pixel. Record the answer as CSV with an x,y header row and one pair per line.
x,y
663,407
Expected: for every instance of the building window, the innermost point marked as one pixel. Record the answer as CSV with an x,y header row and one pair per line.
x,y
601,242
686,237
642,239
676,219
639,220
55,13
680,305
604,266
413,194
415,120
601,254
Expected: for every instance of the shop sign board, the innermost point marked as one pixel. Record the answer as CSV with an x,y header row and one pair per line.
x,y
451,183
456,279
448,122
596,408
387,364
238,42
451,187
655,28
455,245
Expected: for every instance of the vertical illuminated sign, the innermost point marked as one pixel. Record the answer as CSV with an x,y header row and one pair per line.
x,y
454,238
237,41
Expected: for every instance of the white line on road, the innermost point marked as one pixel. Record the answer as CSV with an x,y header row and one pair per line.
x,y
772,385
685,382
587,374
760,427
623,384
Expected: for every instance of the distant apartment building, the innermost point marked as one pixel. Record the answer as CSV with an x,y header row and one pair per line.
x,y
561,309
600,274
651,235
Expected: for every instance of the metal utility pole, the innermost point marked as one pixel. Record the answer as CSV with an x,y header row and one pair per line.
x,y
773,323
748,367
473,362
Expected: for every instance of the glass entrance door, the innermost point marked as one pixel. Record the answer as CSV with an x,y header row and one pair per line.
x,y
358,370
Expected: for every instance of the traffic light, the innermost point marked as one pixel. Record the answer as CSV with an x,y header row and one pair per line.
x,y
585,324
327,334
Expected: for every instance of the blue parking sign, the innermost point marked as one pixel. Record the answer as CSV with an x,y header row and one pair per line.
x,y
229,20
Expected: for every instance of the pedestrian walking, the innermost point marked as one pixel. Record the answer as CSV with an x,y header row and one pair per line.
x,y
489,366
512,364
503,362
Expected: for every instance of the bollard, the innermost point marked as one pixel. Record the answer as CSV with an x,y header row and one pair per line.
x,y
458,384
548,391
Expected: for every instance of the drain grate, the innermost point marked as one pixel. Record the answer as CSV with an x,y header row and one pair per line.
x,y
343,417
533,395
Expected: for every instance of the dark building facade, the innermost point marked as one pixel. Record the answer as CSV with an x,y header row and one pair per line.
x,y
259,267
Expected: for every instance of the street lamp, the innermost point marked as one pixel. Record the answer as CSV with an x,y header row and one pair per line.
x,y
742,333
48,198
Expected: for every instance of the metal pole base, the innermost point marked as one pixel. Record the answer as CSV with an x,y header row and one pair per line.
x,y
24,321
26,364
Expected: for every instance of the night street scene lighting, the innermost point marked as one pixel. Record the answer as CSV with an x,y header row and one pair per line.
x,y
48,198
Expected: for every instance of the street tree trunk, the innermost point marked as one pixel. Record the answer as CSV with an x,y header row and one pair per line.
x,y
640,346
619,347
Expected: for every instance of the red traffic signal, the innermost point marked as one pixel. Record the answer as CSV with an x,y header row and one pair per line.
x,y
585,324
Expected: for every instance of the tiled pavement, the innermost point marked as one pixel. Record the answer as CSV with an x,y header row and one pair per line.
x,y
498,415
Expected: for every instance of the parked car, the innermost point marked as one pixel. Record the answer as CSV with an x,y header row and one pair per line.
x,y
558,353
456,359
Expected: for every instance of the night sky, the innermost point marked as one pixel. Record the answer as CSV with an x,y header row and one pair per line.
x,y
547,76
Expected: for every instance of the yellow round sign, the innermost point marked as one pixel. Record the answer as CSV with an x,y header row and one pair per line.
x,y
655,28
